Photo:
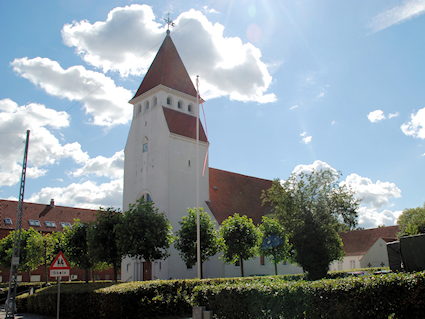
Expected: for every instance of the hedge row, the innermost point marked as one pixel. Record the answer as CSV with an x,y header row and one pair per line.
x,y
399,295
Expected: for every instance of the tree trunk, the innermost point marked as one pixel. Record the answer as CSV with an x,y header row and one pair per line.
x,y
115,265
87,276
202,270
241,262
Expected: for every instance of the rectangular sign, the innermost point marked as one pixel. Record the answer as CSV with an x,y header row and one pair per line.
x,y
59,272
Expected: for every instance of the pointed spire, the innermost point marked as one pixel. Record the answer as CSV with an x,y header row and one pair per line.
x,y
167,69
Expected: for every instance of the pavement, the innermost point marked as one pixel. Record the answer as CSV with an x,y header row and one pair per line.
x,y
24,315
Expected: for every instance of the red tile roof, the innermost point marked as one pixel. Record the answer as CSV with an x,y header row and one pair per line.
x,y
234,193
183,124
167,69
358,242
42,213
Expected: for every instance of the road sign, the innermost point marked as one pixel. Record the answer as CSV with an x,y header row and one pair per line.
x,y
59,267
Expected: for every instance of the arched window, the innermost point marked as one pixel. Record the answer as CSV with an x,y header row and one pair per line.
x,y
155,101
139,108
190,108
146,105
179,104
169,101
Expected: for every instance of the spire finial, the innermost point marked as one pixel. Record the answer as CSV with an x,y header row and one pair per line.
x,y
169,22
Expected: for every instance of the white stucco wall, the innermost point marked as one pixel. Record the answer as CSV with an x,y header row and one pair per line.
x,y
376,256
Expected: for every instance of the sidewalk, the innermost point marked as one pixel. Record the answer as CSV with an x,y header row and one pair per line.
x,y
24,315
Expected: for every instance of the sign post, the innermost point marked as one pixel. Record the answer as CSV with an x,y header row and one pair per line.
x,y
59,268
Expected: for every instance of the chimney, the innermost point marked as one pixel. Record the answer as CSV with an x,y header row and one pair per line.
x,y
52,202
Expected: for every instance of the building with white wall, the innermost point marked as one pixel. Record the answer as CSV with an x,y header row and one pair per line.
x,y
161,164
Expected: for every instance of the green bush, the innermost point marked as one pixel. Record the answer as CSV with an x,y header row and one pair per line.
x,y
383,296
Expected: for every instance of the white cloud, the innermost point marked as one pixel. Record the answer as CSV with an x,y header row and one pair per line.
x,y
316,166
393,115
371,218
293,107
86,195
127,42
373,194
112,167
99,95
44,147
306,139
416,126
376,116
399,14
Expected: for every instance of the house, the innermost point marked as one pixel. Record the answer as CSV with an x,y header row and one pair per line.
x,y
45,219
366,248
164,162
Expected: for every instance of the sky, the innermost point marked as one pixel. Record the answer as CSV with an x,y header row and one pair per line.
x,y
289,86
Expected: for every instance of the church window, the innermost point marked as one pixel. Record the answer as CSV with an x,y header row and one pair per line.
x,y
148,198
139,108
146,105
169,101
190,108
145,147
155,101
179,104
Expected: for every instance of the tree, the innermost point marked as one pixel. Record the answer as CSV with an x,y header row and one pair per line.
x,y
29,254
186,241
274,241
412,221
144,233
102,238
240,239
313,208
76,247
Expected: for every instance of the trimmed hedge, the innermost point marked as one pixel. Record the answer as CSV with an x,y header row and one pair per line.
x,y
397,295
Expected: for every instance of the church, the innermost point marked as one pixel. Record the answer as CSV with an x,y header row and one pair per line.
x,y
161,157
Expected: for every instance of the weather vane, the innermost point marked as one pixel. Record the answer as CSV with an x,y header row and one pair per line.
x,y
169,22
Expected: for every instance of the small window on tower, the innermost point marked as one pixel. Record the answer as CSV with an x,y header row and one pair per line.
x,y
190,108
146,105
169,101
179,104
155,101
145,147
139,108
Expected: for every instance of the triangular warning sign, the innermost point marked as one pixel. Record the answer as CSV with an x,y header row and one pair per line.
x,y
60,262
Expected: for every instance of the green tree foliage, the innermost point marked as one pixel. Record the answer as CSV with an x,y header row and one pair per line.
x,y
412,221
240,239
145,233
102,238
274,243
76,247
312,208
186,241
30,253
44,249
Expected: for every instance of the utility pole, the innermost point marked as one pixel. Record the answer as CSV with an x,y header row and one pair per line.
x,y
10,305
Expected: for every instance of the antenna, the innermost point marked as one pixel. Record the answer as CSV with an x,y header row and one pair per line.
x,y
10,305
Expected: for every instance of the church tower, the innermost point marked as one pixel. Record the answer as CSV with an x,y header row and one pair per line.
x,y
160,154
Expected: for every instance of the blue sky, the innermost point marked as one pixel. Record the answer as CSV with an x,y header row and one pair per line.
x,y
289,86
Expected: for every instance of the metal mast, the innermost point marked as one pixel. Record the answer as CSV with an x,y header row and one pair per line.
x,y
10,305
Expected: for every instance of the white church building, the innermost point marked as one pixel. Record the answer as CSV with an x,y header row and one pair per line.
x,y
160,165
